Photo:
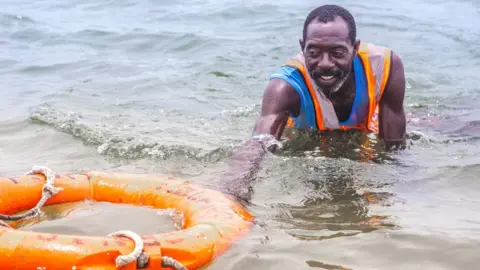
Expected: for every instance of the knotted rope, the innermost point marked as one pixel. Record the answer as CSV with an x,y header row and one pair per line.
x,y
47,192
138,255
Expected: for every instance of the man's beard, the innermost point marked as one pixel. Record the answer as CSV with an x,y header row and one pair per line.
x,y
333,88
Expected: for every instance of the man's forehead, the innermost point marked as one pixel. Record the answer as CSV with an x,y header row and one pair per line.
x,y
336,29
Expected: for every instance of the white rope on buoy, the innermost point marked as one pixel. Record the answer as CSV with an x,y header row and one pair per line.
x,y
172,263
4,224
138,255
48,191
123,260
49,175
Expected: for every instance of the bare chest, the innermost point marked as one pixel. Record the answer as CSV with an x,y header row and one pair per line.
x,y
343,104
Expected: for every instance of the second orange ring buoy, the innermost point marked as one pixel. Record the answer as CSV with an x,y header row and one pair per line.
x,y
212,222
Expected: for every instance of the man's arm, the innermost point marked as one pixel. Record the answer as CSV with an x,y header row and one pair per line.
x,y
279,99
392,117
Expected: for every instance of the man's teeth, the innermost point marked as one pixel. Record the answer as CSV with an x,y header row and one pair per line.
x,y
327,77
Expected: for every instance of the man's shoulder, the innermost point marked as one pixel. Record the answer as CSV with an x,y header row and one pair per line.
x,y
377,54
380,50
371,46
384,62
290,69
287,80
283,91
375,51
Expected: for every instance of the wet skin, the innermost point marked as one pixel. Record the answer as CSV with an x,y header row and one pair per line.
x,y
328,51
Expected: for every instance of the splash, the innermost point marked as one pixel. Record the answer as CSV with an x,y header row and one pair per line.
x,y
112,142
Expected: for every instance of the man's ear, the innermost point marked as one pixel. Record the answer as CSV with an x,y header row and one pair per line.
x,y
302,44
356,45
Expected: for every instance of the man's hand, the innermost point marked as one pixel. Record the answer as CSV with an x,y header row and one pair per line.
x,y
279,100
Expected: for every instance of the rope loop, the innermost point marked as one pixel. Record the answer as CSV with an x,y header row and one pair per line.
x,y
123,260
48,191
50,178
138,255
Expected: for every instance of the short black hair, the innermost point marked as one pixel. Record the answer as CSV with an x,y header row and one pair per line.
x,y
327,13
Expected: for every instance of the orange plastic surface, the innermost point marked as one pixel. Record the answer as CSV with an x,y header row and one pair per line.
x,y
212,222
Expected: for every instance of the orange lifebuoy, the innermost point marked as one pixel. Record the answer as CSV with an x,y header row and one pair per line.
x,y
212,222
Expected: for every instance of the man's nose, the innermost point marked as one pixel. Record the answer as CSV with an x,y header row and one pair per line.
x,y
325,62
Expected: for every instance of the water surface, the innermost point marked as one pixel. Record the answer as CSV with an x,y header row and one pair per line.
x,y
171,87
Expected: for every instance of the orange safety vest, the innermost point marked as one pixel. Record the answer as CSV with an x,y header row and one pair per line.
x,y
376,62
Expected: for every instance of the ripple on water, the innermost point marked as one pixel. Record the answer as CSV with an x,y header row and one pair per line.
x,y
109,84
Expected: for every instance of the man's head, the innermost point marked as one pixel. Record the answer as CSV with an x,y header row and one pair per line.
x,y
329,45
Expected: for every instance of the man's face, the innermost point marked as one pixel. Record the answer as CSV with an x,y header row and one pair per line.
x,y
329,53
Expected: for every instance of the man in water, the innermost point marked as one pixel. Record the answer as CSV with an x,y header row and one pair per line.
x,y
336,82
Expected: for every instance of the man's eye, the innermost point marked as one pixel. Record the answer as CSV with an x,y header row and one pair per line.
x,y
313,53
338,54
